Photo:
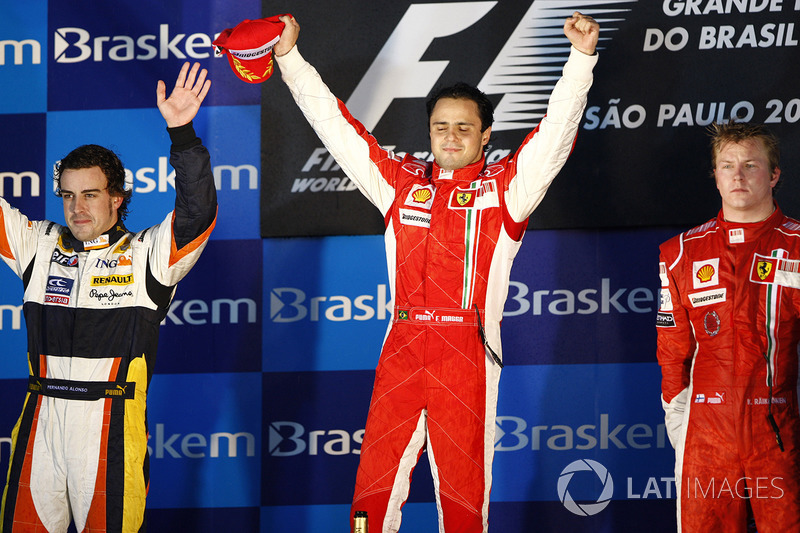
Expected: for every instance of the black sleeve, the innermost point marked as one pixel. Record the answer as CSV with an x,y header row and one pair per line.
x,y
195,192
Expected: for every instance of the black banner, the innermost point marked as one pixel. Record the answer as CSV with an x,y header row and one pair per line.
x,y
667,70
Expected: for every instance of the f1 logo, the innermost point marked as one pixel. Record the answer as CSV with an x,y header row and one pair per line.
x,y
397,71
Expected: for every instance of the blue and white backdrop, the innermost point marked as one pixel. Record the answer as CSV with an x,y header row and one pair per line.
x,y
260,393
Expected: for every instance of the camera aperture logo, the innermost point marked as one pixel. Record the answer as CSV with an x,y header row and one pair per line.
x,y
602,474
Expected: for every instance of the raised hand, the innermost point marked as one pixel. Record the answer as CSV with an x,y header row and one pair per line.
x,y
583,32
289,35
189,92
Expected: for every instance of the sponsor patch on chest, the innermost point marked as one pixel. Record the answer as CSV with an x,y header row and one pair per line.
x,y
64,259
421,197
412,217
705,273
714,296
736,236
58,290
479,196
113,279
767,270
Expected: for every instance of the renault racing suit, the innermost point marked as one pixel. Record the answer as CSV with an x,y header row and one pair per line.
x,y
728,332
450,239
93,312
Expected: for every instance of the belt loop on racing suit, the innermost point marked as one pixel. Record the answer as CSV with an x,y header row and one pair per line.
x,y
483,338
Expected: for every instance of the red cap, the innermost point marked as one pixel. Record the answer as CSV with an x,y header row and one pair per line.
x,y
249,47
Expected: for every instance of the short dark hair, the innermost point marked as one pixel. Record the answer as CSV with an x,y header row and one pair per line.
x,y
92,155
737,132
465,91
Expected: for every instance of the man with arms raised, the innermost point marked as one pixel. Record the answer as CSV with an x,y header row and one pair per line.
x,y
453,227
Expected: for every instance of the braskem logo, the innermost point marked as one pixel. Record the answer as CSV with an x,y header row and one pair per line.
x,y
515,433
552,415
287,439
133,44
75,45
195,445
291,304
319,296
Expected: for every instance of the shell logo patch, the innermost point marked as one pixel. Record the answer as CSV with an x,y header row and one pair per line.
x,y
705,273
422,195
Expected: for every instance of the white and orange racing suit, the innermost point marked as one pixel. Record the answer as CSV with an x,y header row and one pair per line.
x,y
93,312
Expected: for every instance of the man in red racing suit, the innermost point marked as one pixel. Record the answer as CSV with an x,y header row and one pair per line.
x,y
728,332
453,227
95,295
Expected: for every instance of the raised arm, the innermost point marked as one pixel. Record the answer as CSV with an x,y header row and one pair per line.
x,y
546,149
195,193
363,160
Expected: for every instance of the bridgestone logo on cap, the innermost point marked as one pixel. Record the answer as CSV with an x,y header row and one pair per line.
x,y
255,53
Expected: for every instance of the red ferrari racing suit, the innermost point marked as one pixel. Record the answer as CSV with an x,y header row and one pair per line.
x,y
728,332
93,311
450,238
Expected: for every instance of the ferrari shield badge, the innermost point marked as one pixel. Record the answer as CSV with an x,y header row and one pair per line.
x,y
763,269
